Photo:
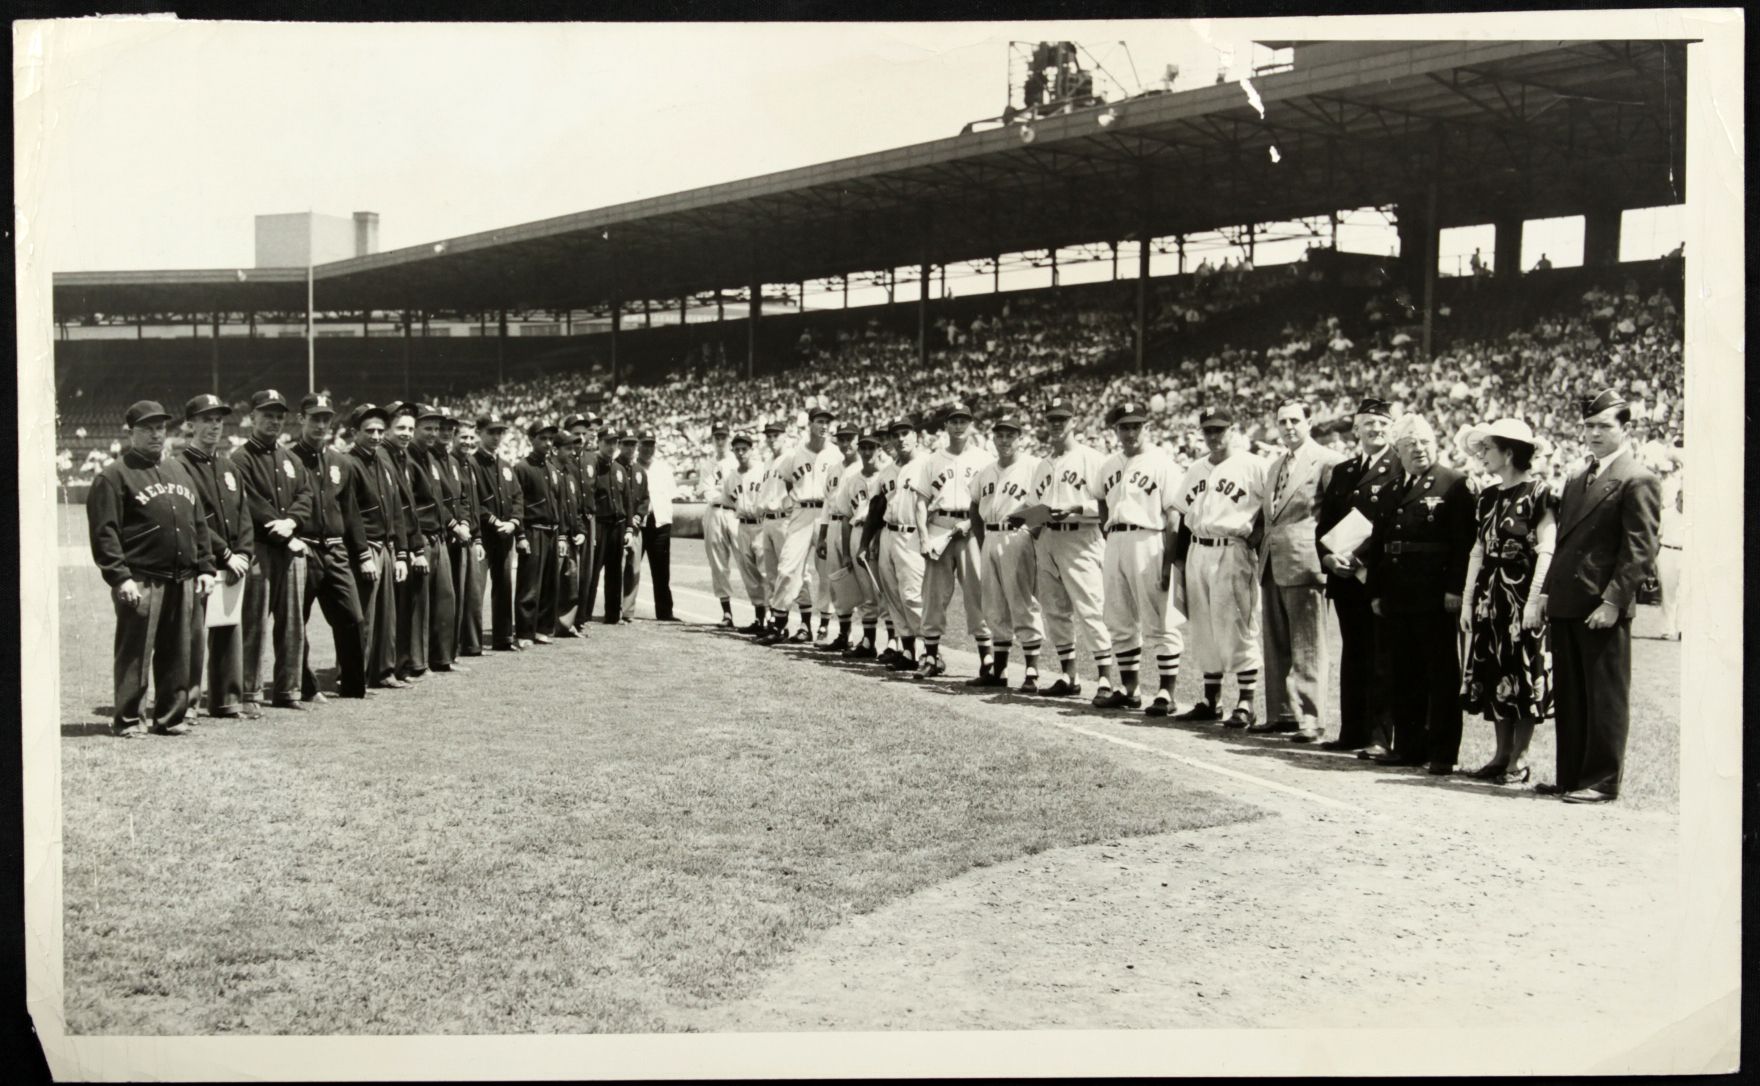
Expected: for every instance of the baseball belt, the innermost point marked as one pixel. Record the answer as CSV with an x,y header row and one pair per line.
x,y
1000,528
1398,547
904,529
1207,541
838,516
777,516
748,520
1130,528
1066,526
809,505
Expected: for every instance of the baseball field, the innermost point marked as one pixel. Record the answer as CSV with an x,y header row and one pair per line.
x,y
665,828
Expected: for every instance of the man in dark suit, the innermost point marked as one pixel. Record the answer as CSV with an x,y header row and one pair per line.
x,y
1608,522
1364,482
1417,561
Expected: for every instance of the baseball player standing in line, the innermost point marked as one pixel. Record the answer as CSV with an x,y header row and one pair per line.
x,y
891,537
1220,496
772,494
741,492
1290,583
1069,549
1139,506
541,546
502,517
831,554
950,555
720,522
1010,570
280,502
850,507
472,570
230,540
790,533
336,546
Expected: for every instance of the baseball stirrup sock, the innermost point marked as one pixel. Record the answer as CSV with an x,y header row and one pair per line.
x,y
1167,665
910,646
1248,682
931,646
1212,688
843,622
726,606
999,660
1065,652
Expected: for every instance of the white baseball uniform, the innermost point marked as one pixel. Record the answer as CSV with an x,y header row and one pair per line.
x,y
790,519
849,509
1668,555
1069,554
720,523
953,558
1142,507
1009,567
824,568
740,492
901,555
1220,502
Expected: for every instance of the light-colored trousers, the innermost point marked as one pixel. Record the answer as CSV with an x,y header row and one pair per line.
x,y
720,526
1140,614
1295,650
1668,574
958,565
747,549
901,580
1072,591
788,543
1222,593
1011,589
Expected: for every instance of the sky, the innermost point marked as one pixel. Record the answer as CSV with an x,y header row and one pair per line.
x,y
164,139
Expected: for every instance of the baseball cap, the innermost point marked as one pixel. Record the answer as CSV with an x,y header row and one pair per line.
x,y
741,438
901,424
719,429
956,409
847,429
489,423
626,437
820,412
1128,412
206,402
875,440
144,411
317,403
268,397
645,435
1058,409
423,411
1605,400
368,411
572,421
539,429
1373,406
774,427
1214,417
1006,422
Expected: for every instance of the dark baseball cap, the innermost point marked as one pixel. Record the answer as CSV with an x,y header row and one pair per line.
x,y
572,421
957,409
539,429
1605,400
1215,418
774,427
875,440
847,429
741,438
317,403
205,403
144,411
1373,406
268,397
626,437
820,412
1125,413
1058,409
719,429
645,435
901,424
489,423
366,411
424,411
1006,422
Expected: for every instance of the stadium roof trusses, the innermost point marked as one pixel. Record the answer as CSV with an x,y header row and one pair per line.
x,y
1530,129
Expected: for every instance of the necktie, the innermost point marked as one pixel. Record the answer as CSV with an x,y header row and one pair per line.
x,y
1589,476
1282,478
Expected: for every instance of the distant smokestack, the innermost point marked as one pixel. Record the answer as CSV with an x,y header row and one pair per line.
x,y
366,233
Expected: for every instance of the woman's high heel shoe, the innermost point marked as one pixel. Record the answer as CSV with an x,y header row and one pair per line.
x,y
1487,772
1519,776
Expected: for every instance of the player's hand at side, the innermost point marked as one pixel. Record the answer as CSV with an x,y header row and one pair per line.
x,y
204,583
1602,617
523,547
821,552
400,570
295,546
236,567
1165,580
562,547
369,568
419,563
129,593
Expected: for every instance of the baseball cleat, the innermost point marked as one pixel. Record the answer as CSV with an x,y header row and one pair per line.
x,y
1242,717
888,656
1274,727
170,729
770,637
903,663
1063,688
802,636
726,622
987,679
756,627
836,644
1116,699
863,651
1161,705
1030,684
1201,712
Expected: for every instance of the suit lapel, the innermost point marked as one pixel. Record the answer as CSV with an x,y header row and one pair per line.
x,y
1299,464
1578,505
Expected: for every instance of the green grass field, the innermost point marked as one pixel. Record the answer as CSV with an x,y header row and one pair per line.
x,y
589,837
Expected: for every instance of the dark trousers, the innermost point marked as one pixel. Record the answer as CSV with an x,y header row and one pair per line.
x,y
540,574
1591,683
275,592
594,570
1361,710
498,556
467,582
1421,666
414,605
330,581
608,551
220,653
378,596
571,575
657,545
157,634
442,607
589,560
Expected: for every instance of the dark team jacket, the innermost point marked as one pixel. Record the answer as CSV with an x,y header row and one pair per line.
x,y
443,474
499,491
586,464
539,484
335,509
379,498
223,502
638,503
470,499
572,494
147,521
425,512
1419,550
275,489
610,488
1352,484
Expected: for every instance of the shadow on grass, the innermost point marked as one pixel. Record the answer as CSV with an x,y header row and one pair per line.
x,y
1458,783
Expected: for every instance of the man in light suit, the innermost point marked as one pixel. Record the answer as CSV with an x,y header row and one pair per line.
x,y
1608,535
1293,587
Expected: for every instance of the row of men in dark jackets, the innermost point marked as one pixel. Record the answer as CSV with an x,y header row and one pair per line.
x,y
397,540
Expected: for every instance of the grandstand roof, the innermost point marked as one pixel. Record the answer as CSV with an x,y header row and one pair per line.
x,y
1535,128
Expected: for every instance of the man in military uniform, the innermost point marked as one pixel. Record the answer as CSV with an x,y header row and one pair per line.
x,y
1417,561
385,523
637,506
1365,482
337,547
503,515
541,546
150,541
427,542
280,500
230,541
573,525
609,485
469,573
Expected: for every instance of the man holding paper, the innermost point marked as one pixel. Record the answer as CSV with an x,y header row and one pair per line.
x,y
230,539
1361,485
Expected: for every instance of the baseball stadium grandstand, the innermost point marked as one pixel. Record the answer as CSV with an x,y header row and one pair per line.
x,y
538,318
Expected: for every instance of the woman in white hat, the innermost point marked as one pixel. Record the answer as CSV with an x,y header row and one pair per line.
x,y
1508,672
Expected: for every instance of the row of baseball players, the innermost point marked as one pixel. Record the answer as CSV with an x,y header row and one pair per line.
x,y
1111,552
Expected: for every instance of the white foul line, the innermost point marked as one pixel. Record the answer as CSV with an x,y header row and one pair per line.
x,y
1276,786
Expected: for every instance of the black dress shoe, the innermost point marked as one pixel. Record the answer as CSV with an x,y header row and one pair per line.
x,y
1440,769
1550,789
1338,744
1273,727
